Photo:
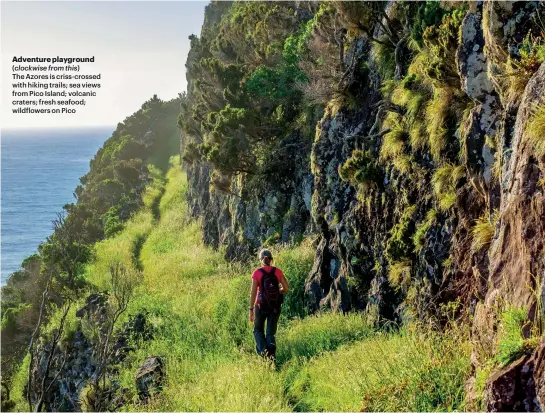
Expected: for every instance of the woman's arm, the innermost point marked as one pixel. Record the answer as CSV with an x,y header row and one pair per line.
x,y
285,285
253,294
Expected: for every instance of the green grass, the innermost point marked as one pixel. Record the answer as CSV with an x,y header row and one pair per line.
x,y
445,180
315,335
407,371
483,231
197,305
18,383
436,115
393,142
535,129
512,344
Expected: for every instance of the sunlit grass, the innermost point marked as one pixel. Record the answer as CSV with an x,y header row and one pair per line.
x,y
314,335
122,248
483,231
436,114
535,130
17,392
197,307
407,371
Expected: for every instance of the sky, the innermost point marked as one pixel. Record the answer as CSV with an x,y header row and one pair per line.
x,y
140,49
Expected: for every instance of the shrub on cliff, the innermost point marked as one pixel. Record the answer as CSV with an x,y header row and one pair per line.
x,y
535,129
361,170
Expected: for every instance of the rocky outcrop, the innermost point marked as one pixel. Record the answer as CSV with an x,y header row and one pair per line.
x,y
149,377
244,218
363,234
74,361
513,388
74,364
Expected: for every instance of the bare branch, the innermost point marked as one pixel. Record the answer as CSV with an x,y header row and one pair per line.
x,y
33,337
54,342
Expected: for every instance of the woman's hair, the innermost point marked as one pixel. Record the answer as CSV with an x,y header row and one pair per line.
x,y
265,256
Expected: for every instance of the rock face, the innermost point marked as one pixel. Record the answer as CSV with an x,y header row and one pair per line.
x,y
74,362
76,367
539,372
513,389
361,232
245,218
149,377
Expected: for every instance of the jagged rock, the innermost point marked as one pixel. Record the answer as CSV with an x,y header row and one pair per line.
x,y
136,328
476,83
505,24
149,377
74,361
245,217
471,59
513,388
318,283
95,308
539,372
516,253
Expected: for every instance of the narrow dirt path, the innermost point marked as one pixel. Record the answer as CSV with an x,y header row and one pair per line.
x,y
156,214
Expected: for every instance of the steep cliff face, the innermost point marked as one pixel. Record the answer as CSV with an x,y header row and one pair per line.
x,y
449,210
242,220
395,238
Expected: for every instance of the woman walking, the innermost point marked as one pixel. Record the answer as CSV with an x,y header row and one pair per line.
x,y
266,297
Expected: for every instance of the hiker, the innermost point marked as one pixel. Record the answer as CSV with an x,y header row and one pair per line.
x,y
267,294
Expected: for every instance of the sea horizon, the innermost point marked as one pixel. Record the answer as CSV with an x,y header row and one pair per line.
x,y
40,169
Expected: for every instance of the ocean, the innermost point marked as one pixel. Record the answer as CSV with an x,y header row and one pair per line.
x,y
40,170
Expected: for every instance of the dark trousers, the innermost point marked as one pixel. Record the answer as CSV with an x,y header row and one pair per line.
x,y
265,344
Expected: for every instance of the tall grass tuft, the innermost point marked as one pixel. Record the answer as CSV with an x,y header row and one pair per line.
x,y
483,231
445,180
436,116
536,131
512,343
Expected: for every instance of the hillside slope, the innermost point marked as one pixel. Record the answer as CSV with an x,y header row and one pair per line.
x,y
193,304
392,156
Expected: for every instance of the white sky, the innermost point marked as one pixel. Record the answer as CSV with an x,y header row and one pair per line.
x,y
140,49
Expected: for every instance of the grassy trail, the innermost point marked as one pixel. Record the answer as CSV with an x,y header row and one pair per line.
x,y
197,304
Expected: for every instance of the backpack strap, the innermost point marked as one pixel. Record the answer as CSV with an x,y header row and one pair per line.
x,y
273,270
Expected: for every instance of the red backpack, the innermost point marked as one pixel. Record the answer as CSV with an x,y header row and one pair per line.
x,y
270,299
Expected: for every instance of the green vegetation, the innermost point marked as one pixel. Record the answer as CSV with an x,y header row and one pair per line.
x,y
399,273
245,92
389,372
107,199
535,129
361,170
483,231
511,341
445,181
197,305
422,229
260,77
400,244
